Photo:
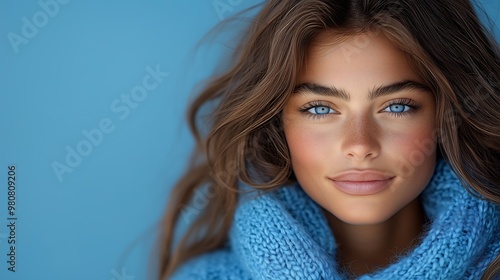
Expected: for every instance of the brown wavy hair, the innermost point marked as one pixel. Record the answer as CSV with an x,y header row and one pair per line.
x,y
242,140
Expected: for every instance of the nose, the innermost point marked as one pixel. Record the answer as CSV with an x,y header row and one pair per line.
x,y
361,138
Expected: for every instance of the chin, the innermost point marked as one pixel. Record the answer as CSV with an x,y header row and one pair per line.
x,y
364,217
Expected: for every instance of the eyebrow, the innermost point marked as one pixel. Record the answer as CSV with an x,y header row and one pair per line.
x,y
374,93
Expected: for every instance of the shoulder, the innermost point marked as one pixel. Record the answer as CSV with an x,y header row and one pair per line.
x,y
490,253
219,264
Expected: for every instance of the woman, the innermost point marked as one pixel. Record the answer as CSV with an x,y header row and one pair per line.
x,y
368,131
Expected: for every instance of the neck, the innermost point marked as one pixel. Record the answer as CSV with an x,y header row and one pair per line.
x,y
364,248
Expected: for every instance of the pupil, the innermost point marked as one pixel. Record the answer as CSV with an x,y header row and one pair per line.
x,y
398,108
321,110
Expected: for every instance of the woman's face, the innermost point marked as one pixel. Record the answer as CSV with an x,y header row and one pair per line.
x,y
360,128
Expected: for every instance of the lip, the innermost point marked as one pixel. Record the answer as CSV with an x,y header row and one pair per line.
x,y
362,182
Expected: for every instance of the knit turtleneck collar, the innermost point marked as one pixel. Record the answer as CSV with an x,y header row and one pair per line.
x,y
285,235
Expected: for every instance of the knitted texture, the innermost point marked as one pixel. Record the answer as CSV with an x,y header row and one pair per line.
x,y
285,235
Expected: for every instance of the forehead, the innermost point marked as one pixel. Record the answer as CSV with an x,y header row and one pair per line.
x,y
369,58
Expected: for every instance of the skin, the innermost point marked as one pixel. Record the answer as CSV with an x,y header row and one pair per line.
x,y
391,133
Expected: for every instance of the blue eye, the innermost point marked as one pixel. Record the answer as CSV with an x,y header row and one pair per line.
x,y
320,110
397,108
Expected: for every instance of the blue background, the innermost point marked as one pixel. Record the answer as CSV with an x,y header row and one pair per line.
x,y
99,221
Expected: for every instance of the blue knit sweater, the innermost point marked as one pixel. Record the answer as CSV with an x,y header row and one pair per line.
x,y
285,235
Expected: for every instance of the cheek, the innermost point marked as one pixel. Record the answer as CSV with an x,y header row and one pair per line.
x,y
308,148
415,150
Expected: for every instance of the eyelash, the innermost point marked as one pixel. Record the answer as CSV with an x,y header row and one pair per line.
x,y
304,109
405,102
